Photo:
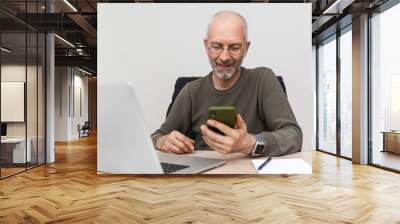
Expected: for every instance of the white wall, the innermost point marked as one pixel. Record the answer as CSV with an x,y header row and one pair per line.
x,y
163,41
61,103
79,117
68,81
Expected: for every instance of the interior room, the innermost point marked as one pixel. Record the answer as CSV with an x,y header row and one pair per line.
x,y
22,103
51,83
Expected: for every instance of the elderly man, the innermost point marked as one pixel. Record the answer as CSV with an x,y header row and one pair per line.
x,y
265,124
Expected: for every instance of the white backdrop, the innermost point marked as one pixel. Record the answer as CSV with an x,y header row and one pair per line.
x,y
151,45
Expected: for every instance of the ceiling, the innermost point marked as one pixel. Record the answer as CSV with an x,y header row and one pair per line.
x,y
76,22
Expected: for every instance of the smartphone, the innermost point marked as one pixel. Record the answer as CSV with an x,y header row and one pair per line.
x,y
224,114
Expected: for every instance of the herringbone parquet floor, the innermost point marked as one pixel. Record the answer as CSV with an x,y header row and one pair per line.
x,y
70,191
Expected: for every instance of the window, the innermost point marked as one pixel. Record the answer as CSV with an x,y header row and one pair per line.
x,y
327,96
329,112
346,93
385,88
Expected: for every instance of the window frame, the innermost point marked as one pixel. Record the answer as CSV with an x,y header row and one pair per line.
x,y
334,37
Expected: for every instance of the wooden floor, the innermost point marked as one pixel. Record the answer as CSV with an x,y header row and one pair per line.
x,y
70,191
386,159
5,172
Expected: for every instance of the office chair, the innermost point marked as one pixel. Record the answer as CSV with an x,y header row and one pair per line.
x,y
182,81
84,130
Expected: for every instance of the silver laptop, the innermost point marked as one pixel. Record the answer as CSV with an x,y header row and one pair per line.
x,y
124,145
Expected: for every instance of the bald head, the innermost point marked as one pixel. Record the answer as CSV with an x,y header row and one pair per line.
x,y
227,22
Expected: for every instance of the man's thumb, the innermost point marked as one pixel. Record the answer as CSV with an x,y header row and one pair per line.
x,y
240,123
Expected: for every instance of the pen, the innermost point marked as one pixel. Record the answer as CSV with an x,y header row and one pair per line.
x,y
264,163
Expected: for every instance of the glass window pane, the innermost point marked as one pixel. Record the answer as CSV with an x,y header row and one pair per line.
x,y
13,86
386,88
327,96
22,89
32,86
346,94
31,101
41,98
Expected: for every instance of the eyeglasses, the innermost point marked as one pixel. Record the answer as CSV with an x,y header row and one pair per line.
x,y
235,49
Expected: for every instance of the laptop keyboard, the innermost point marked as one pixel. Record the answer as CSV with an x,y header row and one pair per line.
x,y
170,167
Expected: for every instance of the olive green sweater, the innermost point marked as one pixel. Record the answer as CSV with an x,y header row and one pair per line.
x,y
258,98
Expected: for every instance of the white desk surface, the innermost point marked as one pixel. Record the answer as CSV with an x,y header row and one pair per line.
x,y
238,163
13,140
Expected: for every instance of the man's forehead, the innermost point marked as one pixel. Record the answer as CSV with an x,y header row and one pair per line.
x,y
226,33
226,41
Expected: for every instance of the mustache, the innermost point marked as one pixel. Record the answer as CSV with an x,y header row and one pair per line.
x,y
226,63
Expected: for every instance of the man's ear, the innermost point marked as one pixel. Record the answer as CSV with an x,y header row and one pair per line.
x,y
205,42
247,46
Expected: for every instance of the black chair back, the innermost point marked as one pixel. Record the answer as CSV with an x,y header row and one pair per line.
x,y
179,84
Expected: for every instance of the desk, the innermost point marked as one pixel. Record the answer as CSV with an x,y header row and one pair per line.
x,y
391,141
17,150
238,163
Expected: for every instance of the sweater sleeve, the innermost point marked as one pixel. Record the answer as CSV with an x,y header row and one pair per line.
x,y
283,135
178,118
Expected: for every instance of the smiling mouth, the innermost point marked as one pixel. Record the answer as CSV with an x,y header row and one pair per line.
x,y
225,66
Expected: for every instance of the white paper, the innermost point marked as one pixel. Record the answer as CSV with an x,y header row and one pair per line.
x,y
283,166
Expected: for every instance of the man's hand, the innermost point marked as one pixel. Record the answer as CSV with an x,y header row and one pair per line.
x,y
235,140
175,142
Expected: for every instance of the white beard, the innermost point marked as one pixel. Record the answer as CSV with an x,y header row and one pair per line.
x,y
225,75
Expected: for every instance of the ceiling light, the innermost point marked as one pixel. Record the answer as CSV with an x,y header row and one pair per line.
x,y
65,41
70,5
84,71
338,6
5,50
79,51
